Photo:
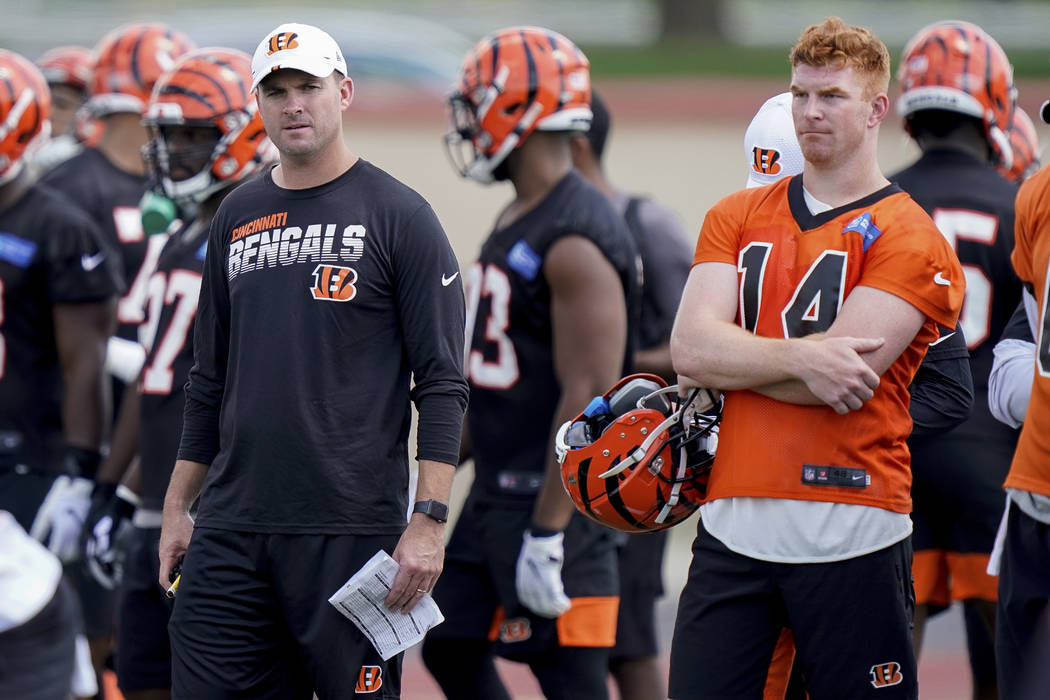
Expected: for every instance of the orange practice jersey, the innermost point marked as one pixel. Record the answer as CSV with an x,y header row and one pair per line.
x,y
1030,469
795,271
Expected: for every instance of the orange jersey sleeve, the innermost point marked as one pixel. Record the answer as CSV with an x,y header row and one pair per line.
x,y
1030,469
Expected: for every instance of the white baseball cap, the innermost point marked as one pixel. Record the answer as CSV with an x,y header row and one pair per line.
x,y
299,46
770,146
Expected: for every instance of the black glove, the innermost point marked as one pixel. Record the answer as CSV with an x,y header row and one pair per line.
x,y
107,530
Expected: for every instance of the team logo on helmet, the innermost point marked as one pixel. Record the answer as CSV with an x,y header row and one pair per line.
x,y
886,675
282,41
766,160
334,283
369,679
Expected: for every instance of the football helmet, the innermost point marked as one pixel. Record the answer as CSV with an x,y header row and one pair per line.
x,y
25,108
958,67
515,81
1024,143
206,89
68,65
129,60
638,458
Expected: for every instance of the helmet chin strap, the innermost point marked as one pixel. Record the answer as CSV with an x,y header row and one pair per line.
x,y
676,487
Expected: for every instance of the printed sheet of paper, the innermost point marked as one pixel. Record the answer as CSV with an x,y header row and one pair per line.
x,y
361,600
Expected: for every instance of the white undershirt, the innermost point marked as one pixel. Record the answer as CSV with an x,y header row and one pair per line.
x,y
796,531
29,574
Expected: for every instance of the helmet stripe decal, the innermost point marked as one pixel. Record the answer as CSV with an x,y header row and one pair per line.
x,y
133,57
561,71
530,61
612,490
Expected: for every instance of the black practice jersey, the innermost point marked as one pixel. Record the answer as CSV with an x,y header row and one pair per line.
x,y
514,392
317,308
171,306
111,198
50,254
973,206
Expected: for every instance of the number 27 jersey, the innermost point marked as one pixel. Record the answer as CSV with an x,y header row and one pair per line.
x,y
795,271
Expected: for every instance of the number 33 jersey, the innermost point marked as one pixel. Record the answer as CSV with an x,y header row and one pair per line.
x,y
514,392
171,306
795,270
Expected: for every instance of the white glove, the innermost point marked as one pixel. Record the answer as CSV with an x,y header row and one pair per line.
x,y
538,576
62,516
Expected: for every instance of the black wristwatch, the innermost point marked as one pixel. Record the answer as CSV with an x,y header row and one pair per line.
x,y
435,510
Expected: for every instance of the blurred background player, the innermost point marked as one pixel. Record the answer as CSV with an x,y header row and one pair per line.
x,y
67,70
547,331
107,181
957,99
1022,553
941,394
206,137
1024,148
665,252
59,288
1010,379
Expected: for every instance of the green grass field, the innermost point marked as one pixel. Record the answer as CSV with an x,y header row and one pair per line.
x,y
683,58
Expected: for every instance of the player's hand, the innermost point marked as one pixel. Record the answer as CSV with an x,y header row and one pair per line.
x,y
538,576
175,532
835,372
60,518
108,527
420,553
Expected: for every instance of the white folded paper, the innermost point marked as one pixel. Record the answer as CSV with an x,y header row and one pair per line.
x,y
361,599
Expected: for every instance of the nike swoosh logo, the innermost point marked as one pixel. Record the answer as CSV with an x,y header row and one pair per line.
x,y
859,476
941,339
446,281
939,279
90,262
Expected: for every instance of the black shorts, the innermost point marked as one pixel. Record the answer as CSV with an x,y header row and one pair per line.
x,y
1022,620
252,619
640,564
37,657
477,595
957,500
851,622
143,651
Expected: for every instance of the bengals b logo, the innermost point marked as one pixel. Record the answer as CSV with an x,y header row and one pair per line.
x,y
516,629
885,675
766,160
333,283
369,679
284,40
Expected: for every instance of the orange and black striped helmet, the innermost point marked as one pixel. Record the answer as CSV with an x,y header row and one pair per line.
x,y
1024,143
25,106
515,81
958,67
129,60
206,89
638,458
68,65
